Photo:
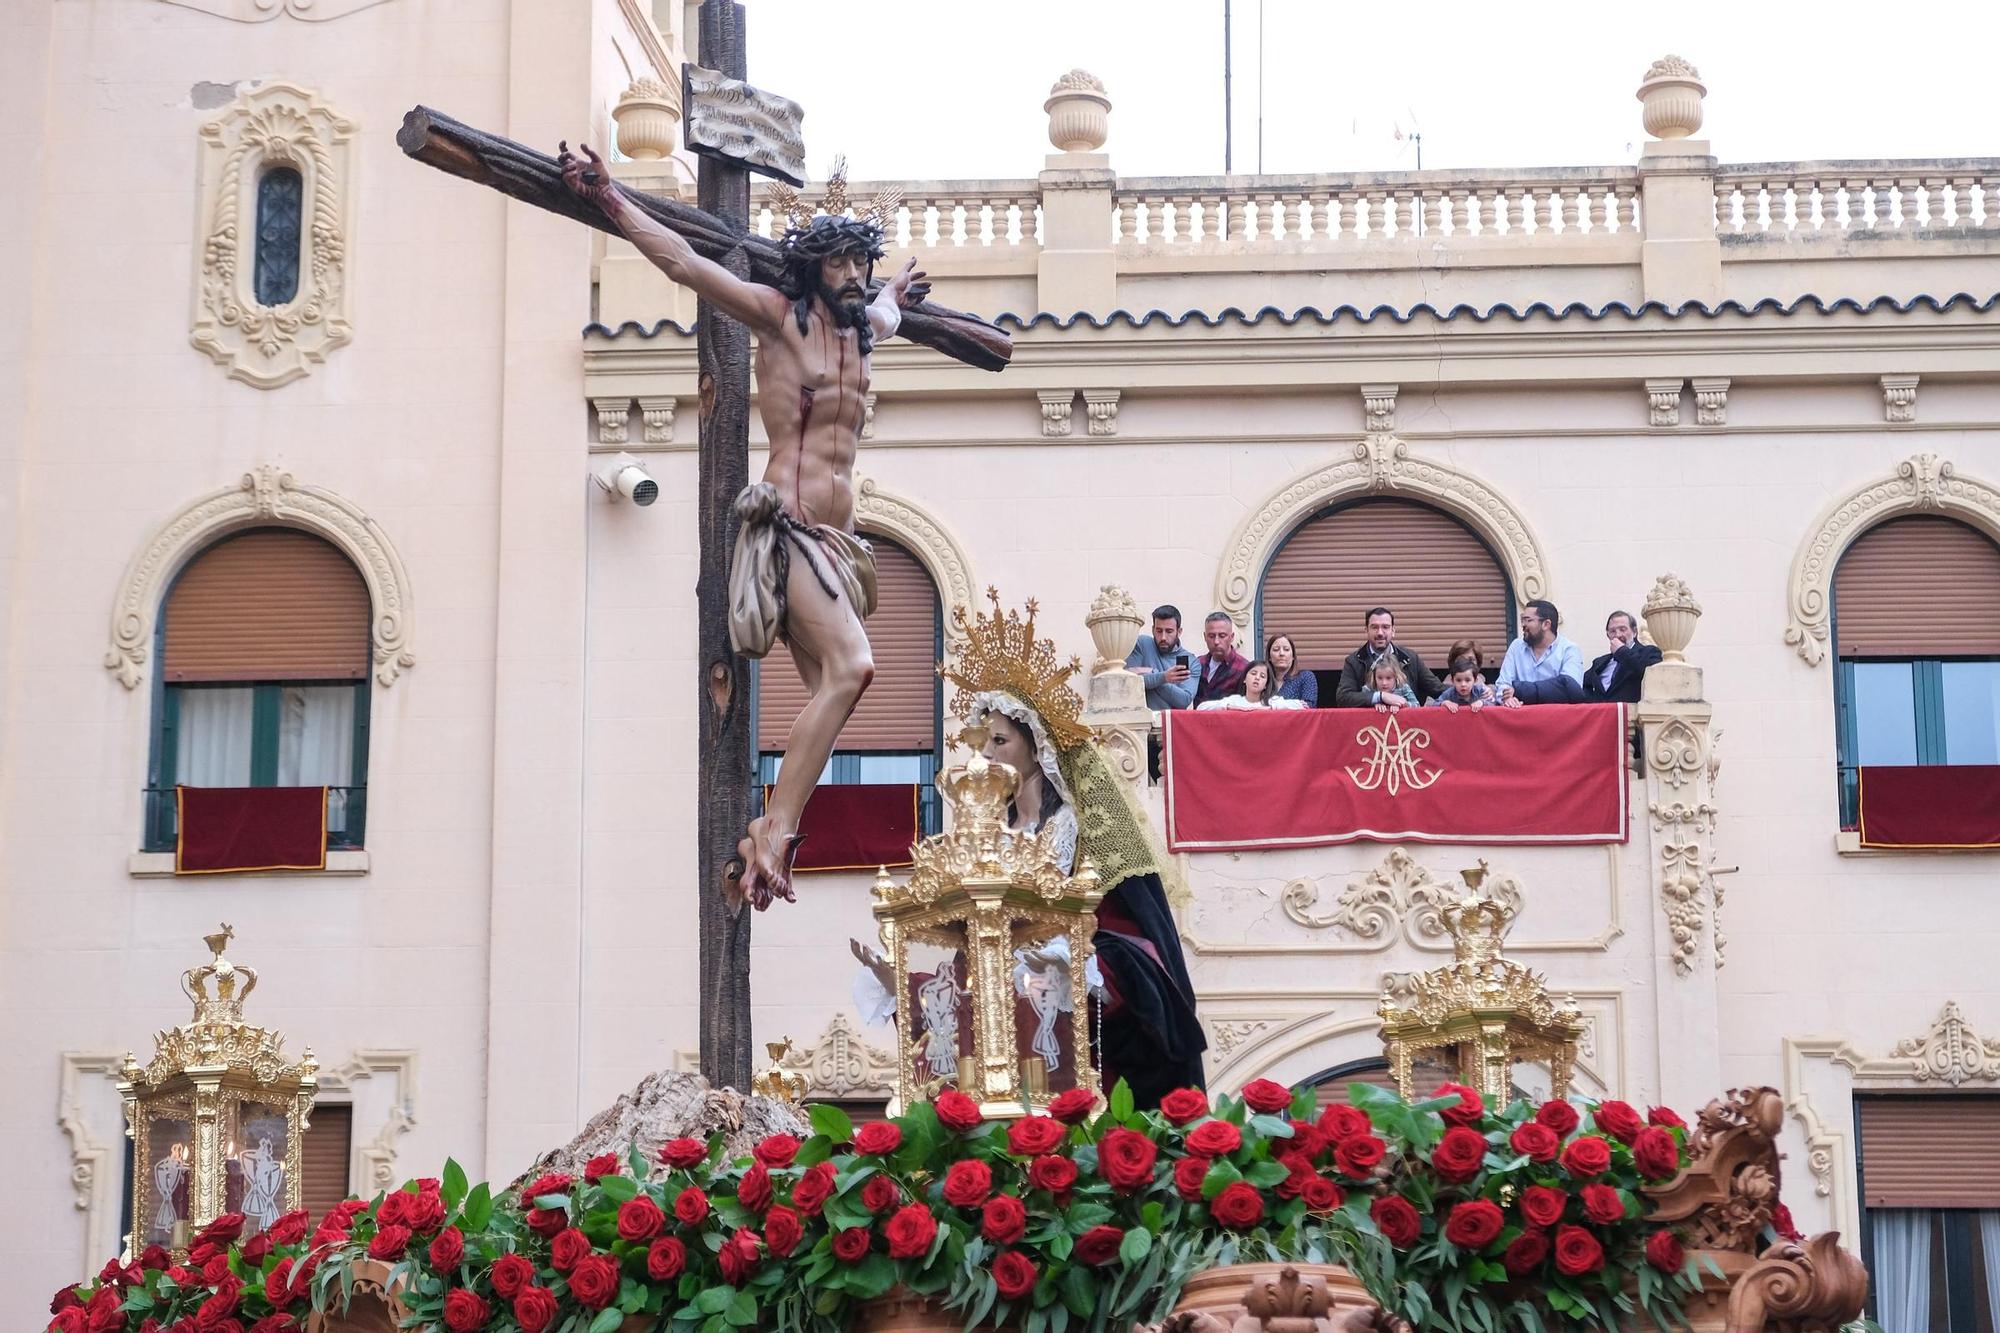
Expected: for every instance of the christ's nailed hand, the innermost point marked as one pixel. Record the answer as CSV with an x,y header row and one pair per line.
x,y
587,176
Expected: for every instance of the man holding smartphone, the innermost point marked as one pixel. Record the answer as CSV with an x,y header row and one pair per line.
x,y
1167,670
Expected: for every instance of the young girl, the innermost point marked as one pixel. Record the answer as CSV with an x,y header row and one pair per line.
x,y
1467,688
1391,686
1258,692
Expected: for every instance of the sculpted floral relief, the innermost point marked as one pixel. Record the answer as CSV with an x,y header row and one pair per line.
x,y
1397,895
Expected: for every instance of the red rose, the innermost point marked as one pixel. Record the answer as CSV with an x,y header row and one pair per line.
x,y
782,1231
1014,1274
851,1246
1298,1172
1125,1158
1602,1205
1459,1154
640,1219
214,1312
957,1111
1396,1218
1268,1097
447,1249
1559,1116
106,1314
738,1257
600,1166
1471,1108
534,1309
1003,1220
1525,1253
1307,1141
69,1320
754,1190
665,1258
1474,1224
595,1281
1341,1123
1189,1172
879,1139
1536,1142
553,1183
1073,1106
465,1312
254,1252
270,1323
278,1284
1577,1252
880,1194
967,1184
217,1267
511,1275
1239,1206
289,1229
776,1151
1183,1106
1099,1245
1585,1157
568,1249
222,1230
1664,1252
389,1244
1322,1195
1542,1205
1054,1174
1355,1157
1656,1154
1617,1119
1214,1138
547,1221
154,1258
910,1231
683,1153
813,1189
1781,1222
691,1206
1665,1118
1033,1135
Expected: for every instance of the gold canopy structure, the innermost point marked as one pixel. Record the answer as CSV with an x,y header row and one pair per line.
x,y
983,893
218,1115
1482,1011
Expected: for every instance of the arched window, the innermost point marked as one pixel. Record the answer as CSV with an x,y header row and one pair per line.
x,y
263,645
280,218
893,736
1440,579
1916,624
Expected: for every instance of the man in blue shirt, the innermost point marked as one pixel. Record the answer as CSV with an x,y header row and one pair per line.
x,y
1162,662
1541,667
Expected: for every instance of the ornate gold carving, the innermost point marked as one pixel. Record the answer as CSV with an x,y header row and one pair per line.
x,y
266,494
279,124
925,536
1923,483
1951,1052
843,1064
1000,652
775,1080
1379,464
1393,763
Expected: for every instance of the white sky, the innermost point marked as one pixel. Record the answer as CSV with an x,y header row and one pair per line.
x,y
953,89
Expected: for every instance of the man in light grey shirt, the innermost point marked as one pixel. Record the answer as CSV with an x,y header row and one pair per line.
x,y
1541,667
1162,662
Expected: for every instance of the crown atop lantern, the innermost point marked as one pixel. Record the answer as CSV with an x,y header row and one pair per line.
x,y
218,1035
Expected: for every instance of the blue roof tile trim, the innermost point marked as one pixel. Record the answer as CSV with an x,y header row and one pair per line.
x,y
1573,310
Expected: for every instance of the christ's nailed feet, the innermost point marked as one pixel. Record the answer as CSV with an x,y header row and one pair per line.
x,y
766,856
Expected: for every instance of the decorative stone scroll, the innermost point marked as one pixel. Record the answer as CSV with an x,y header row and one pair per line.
x,y
1398,895
1923,483
925,536
1058,410
266,495
277,125
843,1064
259,11
1378,465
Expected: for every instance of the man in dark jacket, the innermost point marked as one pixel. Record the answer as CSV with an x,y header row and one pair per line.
x,y
1357,689
1614,678
1219,672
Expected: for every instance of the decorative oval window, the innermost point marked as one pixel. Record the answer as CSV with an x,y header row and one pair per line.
x,y
280,194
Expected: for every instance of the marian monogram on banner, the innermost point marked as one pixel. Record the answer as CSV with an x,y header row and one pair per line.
x,y
1392,762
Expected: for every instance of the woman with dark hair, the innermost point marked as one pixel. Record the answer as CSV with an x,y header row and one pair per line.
x,y
1289,680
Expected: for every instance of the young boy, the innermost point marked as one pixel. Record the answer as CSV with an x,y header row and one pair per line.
x,y
1466,688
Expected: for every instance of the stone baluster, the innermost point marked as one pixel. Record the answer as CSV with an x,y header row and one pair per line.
x,y
1236,219
1628,208
1725,207
1437,208
1989,201
1350,207
1115,702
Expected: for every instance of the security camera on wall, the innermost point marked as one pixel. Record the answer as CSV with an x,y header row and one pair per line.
x,y
624,476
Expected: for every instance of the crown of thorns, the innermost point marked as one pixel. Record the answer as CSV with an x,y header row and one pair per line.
x,y
826,236
836,218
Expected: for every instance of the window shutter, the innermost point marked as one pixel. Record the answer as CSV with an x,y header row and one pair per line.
x,y
272,604
324,1152
898,711
1918,587
1332,1088
1439,579
1930,1152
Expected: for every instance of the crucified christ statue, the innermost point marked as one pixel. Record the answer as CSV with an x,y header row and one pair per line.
x,y
799,570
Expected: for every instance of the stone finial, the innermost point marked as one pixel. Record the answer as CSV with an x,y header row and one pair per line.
x,y
646,114
1114,622
1079,113
1670,98
1670,612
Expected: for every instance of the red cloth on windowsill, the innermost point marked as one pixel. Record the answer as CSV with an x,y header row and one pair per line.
x,y
1929,805
224,829
857,826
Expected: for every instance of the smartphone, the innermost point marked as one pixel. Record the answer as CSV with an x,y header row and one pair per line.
x,y
1182,660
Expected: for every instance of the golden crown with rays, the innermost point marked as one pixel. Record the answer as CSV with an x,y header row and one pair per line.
x,y
833,201
1001,652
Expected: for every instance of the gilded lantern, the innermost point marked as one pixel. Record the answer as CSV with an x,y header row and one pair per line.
x,y
1001,1010
1482,1011
217,1116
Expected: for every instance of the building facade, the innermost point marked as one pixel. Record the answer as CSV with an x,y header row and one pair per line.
x,y
340,523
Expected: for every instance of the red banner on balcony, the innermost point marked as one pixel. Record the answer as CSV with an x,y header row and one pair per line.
x,y
249,828
857,826
1257,780
1929,805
